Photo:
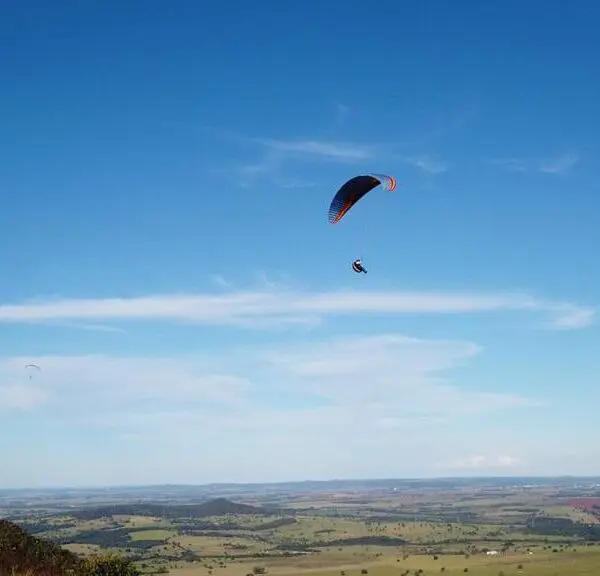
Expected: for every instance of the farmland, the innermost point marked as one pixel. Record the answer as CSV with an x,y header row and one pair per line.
x,y
385,531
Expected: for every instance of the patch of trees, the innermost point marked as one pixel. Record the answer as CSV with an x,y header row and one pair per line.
x,y
114,538
217,534
22,553
189,556
426,516
364,541
296,546
563,527
203,525
35,527
212,533
577,493
275,524
216,507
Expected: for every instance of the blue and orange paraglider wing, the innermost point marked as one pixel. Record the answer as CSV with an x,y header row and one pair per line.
x,y
353,190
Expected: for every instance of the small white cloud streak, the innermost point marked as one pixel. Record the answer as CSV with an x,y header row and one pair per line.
x,y
277,153
342,112
91,327
558,165
427,164
280,307
340,151
571,317
479,462
343,152
21,395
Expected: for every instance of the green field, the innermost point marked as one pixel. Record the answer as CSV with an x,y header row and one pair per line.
x,y
580,563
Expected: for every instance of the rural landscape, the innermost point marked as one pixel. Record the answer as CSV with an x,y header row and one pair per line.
x,y
483,527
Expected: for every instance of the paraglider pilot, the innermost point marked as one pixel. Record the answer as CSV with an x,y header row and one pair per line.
x,y
358,267
350,193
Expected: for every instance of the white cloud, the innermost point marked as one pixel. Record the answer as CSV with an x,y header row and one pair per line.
x,y
279,306
292,184
95,381
427,163
341,112
392,375
360,406
323,402
21,395
221,281
366,373
335,150
279,151
556,165
571,317
90,327
481,462
275,155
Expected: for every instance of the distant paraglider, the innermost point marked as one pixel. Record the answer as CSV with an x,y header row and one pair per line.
x,y
31,368
358,267
350,193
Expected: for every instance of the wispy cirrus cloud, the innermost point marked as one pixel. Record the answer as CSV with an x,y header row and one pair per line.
x,y
341,113
479,462
21,395
426,163
282,306
327,401
90,327
397,366
327,398
339,151
274,157
154,410
555,165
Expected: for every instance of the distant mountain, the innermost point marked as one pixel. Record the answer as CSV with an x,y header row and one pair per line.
x,y
216,507
222,506
52,499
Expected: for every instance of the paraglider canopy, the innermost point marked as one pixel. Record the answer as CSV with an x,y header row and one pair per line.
x,y
358,267
353,190
31,368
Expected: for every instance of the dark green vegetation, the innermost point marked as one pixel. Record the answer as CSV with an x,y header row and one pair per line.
x,y
216,507
485,528
23,554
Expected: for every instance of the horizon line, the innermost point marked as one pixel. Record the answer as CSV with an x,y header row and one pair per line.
x,y
307,481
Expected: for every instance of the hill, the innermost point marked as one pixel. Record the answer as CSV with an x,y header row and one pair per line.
x,y
26,554
21,553
216,507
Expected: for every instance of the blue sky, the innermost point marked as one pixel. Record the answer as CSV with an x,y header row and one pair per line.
x,y
165,175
